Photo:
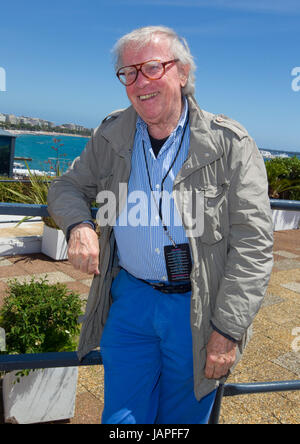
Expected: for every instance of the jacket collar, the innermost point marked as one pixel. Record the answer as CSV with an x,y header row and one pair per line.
x,y
120,131
204,148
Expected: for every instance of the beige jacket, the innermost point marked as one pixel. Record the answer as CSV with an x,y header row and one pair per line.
x,y
233,256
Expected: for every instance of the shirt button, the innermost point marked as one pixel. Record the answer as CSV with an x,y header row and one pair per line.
x,y
157,250
164,278
157,186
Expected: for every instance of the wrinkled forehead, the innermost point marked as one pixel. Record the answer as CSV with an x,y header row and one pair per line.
x,y
158,47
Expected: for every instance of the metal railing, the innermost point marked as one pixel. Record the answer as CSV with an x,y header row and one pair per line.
x,y
249,389
70,359
33,361
289,205
41,210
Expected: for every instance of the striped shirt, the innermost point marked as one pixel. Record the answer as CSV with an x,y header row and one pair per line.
x,y
139,233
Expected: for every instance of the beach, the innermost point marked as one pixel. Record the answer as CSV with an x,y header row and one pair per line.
x,y
42,133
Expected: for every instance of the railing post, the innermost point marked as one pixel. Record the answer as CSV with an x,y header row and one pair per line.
x,y
216,410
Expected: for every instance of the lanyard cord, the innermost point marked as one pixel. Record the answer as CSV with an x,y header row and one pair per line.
x,y
159,206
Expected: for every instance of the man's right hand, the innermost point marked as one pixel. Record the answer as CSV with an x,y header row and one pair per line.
x,y
83,249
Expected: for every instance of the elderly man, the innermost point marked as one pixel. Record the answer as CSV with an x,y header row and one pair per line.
x,y
172,302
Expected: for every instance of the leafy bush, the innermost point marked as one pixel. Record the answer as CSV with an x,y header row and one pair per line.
x,y
40,317
284,178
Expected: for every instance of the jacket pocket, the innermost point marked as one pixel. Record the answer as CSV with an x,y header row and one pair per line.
x,y
216,222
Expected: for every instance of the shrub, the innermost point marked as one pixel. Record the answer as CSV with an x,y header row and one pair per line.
x,y
40,317
284,178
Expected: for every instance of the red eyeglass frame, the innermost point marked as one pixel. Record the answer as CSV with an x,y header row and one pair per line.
x,y
139,66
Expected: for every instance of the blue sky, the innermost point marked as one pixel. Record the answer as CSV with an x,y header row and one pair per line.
x,y
57,58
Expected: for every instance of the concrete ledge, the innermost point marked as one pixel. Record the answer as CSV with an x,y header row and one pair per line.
x,y
20,245
25,238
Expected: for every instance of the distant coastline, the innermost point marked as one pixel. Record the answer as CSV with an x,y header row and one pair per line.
x,y
43,133
34,125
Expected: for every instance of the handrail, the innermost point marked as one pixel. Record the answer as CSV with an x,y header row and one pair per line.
x,y
260,387
289,205
30,361
20,209
23,209
249,389
41,210
70,359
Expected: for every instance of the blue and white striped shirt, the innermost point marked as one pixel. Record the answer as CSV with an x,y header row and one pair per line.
x,y
139,232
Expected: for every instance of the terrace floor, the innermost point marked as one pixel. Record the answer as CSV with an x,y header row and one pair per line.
x,y
270,356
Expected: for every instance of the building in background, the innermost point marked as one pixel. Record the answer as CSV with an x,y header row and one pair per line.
x,y
7,153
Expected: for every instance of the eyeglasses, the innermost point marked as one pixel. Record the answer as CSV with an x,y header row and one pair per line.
x,y
152,69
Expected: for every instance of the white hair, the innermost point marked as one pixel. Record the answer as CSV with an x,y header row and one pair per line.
x,y
178,45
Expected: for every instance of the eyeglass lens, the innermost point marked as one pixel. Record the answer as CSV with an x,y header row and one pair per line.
x,y
151,69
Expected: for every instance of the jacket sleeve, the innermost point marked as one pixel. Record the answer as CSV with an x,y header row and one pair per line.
x,y
70,195
250,259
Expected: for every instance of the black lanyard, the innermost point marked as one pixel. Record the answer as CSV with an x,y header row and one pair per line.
x,y
164,178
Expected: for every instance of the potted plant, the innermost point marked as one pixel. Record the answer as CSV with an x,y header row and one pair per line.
x,y
39,317
284,183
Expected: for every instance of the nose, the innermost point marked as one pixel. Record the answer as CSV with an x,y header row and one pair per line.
x,y
141,80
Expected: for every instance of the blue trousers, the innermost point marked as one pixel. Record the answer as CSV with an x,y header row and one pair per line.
x,y
146,349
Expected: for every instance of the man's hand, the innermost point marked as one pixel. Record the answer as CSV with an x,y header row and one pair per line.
x,y
83,249
221,354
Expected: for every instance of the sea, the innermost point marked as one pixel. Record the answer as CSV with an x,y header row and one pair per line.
x,y
45,149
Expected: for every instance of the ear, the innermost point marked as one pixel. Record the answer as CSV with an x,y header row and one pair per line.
x,y
184,71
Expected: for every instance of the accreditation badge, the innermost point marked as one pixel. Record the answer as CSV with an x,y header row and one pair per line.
x,y
178,262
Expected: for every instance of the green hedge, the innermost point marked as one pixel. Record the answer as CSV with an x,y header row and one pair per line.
x,y
284,177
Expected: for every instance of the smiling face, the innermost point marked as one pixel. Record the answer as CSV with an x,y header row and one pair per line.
x,y
158,102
